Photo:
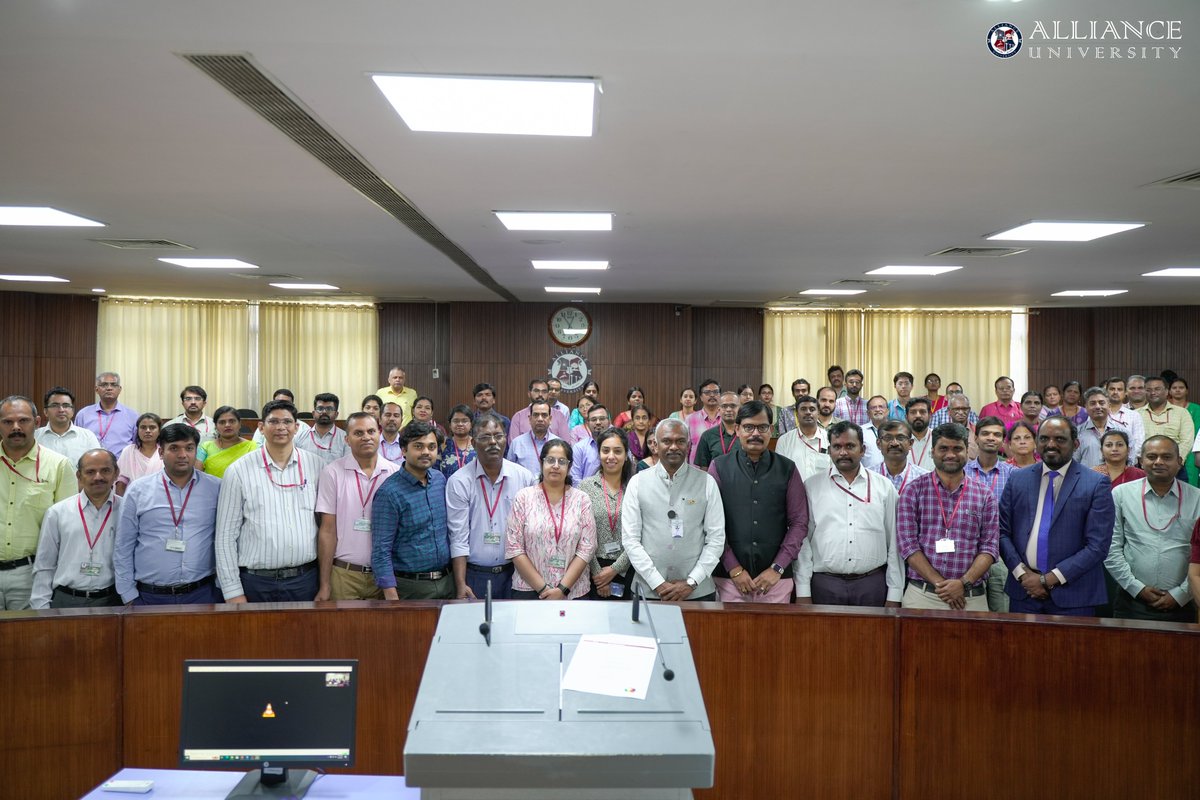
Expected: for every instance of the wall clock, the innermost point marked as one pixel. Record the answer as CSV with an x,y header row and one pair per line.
x,y
570,326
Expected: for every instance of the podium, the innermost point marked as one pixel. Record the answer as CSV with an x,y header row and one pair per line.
x,y
493,721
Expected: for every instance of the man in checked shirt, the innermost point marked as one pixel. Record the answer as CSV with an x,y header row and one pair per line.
x,y
947,529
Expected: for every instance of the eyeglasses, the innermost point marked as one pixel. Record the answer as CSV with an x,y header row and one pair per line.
x,y
491,438
325,409
885,438
556,461
108,385
747,428
275,422
192,399
59,407
711,392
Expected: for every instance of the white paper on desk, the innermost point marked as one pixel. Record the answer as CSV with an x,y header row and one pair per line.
x,y
612,664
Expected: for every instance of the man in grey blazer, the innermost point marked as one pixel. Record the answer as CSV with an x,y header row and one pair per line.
x,y
673,522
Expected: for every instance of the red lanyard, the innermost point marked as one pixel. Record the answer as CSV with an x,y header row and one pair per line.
x,y
178,521
312,434
91,542
725,450
37,466
948,521
370,489
612,517
562,513
299,466
112,417
491,507
806,444
852,494
903,481
460,455
1178,511
917,460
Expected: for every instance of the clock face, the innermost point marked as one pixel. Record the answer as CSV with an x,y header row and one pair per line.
x,y
570,326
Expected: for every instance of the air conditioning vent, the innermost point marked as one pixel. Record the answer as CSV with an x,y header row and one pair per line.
x,y
861,282
1190,180
980,252
255,276
143,244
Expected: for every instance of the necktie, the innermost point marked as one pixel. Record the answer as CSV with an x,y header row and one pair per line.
x,y
1043,547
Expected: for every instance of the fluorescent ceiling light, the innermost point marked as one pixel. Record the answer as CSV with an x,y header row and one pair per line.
x,y
554,220
1089,292
834,291
43,215
573,289
478,104
1064,231
1174,272
898,270
209,263
323,286
570,264
33,279
99,291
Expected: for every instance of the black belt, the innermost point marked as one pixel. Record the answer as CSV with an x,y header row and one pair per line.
x,y
17,562
280,574
180,588
337,562
496,570
972,591
859,576
106,592
435,575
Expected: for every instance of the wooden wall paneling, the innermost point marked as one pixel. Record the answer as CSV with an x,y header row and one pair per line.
x,y
800,704
728,346
60,719
1075,709
391,644
47,340
410,334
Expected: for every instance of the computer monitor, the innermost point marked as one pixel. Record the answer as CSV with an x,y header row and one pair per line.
x,y
269,716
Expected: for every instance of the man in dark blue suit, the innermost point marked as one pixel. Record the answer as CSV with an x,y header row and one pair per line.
x,y
1055,531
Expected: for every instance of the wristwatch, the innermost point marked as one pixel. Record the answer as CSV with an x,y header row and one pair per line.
x,y
777,568
692,583
564,590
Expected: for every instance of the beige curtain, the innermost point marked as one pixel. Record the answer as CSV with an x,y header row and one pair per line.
x,y
802,344
313,348
160,346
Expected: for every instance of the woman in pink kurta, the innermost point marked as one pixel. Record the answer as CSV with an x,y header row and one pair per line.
x,y
551,533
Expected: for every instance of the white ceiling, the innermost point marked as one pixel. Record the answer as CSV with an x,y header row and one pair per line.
x,y
749,150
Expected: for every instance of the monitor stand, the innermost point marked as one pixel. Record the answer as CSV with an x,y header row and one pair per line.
x,y
292,783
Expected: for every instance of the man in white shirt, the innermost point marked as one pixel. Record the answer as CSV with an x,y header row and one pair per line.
x,y
326,440
877,413
849,556
389,440
194,399
896,442
1124,415
806,445
917,413
74,564
301,426
61,434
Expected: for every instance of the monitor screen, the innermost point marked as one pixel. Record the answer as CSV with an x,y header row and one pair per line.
x,y
247,714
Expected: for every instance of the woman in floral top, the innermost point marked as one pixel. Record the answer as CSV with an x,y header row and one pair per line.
x,y
606,490
458,451
551,533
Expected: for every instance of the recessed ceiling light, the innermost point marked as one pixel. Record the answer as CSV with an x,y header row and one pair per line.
x,y
1041,231
209,263
33,279
1174,272
43,215
99,291
322,286
834,291
554,220
573,289
901,270
1089,292
570,264
480,104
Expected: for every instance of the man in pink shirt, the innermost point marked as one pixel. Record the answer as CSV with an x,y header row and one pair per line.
x,y
709,415
539,392
1004,407
344,495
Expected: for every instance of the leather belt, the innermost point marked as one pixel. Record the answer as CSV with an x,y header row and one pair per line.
x,y
857,577
435,575
17,562
95,593
337,562
181,588
496,570
281,574
972,591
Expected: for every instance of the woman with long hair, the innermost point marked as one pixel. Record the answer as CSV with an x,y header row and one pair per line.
x,y
609,565
641,427
651,457
634,398
141,457
687,404
1114,448
458,450
215,455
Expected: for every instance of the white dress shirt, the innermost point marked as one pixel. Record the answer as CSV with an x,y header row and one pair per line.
x,y
329,448
204,426
72,444
872,455
63,548
805,452
921,453
1132,421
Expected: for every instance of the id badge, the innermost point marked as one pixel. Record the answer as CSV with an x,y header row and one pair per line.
x,y
363,525
175,546
610,549
618,589
89,569
558,562
944,546
677,528
491,537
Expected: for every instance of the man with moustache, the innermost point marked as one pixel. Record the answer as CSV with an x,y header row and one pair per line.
x,y
392,421
539,392
478,499
1122,414
287,396
766,513
947,530
585,452
826,401
397,392
958,409
114,424
707,417
1160,418
897,467
807,445
1152,538
877,411
1136,388
1099,422
410,541
325,440
723,438
837,381
526,449
1056,525
164,551
34,479
485,401
851,406
989,469
791,419
1004,407
194,399
73,568
942,415
553,393
850,556
344,499
60,434
921,452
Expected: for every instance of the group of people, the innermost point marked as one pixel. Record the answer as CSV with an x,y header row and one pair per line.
x,y
912,500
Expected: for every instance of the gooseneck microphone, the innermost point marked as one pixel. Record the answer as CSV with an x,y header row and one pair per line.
x,y
485,627
668,673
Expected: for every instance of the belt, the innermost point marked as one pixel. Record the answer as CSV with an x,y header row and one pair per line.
x,y
859,576
106,592
17,562
337,562
496,570
972,591
180,588
435,575
280,574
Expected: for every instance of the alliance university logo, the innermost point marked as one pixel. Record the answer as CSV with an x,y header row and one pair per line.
x,y
1004,40
571,368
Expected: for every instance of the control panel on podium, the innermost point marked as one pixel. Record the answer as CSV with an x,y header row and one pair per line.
x,y
541,699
